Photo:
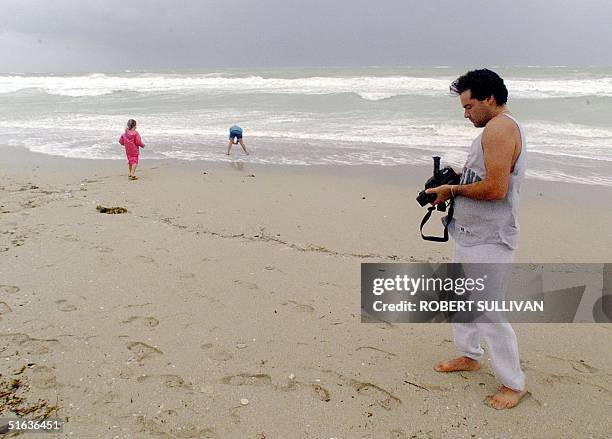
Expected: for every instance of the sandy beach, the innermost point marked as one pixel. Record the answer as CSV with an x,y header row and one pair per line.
x,y
229,282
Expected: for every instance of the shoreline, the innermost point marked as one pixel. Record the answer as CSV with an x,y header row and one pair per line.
x,y
239,159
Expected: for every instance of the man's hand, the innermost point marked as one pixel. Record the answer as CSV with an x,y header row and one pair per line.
x,y
443,193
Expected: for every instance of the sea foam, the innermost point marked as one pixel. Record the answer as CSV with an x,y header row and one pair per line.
x,y
371,88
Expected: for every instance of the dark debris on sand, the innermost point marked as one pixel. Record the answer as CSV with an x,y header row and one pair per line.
x,y
111,210
13,401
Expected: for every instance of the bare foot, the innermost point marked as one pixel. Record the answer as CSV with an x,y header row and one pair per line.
x,y
505,398
457,365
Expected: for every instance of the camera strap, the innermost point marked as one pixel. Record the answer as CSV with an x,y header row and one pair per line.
x,y
451,209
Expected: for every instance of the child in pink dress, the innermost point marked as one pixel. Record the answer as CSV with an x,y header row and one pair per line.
x,y
132,142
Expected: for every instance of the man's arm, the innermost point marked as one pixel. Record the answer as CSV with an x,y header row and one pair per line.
x,y
498,149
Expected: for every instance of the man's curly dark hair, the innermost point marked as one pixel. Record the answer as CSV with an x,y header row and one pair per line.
x,y
482,83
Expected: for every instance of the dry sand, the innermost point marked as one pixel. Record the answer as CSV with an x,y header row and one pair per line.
x,y
228,282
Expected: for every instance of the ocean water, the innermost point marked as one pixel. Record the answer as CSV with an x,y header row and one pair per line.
x,y
311,116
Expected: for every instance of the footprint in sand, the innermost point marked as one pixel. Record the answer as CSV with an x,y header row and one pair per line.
x,y
70,238
142,350
398,434
42,267
103,249
321,393
165,426
168,380
216,353
145,259
565,379
149,322
9,289
106,398
387,354
260,379
273,268
249,285
299,306
582,367
234,414
383,398
43,377
65,306
246,379
29,204
137,305
379,395
5,308
109,397
25,344
578,365
554,378
18,242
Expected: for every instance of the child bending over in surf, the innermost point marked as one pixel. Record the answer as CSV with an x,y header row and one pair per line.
x,y
235,134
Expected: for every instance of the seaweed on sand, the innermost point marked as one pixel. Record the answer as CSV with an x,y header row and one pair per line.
x,y
13,401
111,210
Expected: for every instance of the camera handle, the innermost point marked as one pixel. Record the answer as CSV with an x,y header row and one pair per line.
x,y
451,210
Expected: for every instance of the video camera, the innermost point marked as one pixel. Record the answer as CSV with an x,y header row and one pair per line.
x,y
440,176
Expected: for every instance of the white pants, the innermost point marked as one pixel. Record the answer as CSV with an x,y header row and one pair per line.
x,y
499,337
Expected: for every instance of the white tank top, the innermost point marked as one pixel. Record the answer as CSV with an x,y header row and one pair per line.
x,y
488,222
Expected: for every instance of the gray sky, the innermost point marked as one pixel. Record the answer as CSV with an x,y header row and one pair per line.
x,y
113,35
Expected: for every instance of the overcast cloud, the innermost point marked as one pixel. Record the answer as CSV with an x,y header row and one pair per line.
x,y
94,36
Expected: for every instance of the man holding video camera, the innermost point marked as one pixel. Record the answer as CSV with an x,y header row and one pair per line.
x,y
485,226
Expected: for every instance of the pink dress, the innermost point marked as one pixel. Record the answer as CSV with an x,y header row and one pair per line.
x,y
132,142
